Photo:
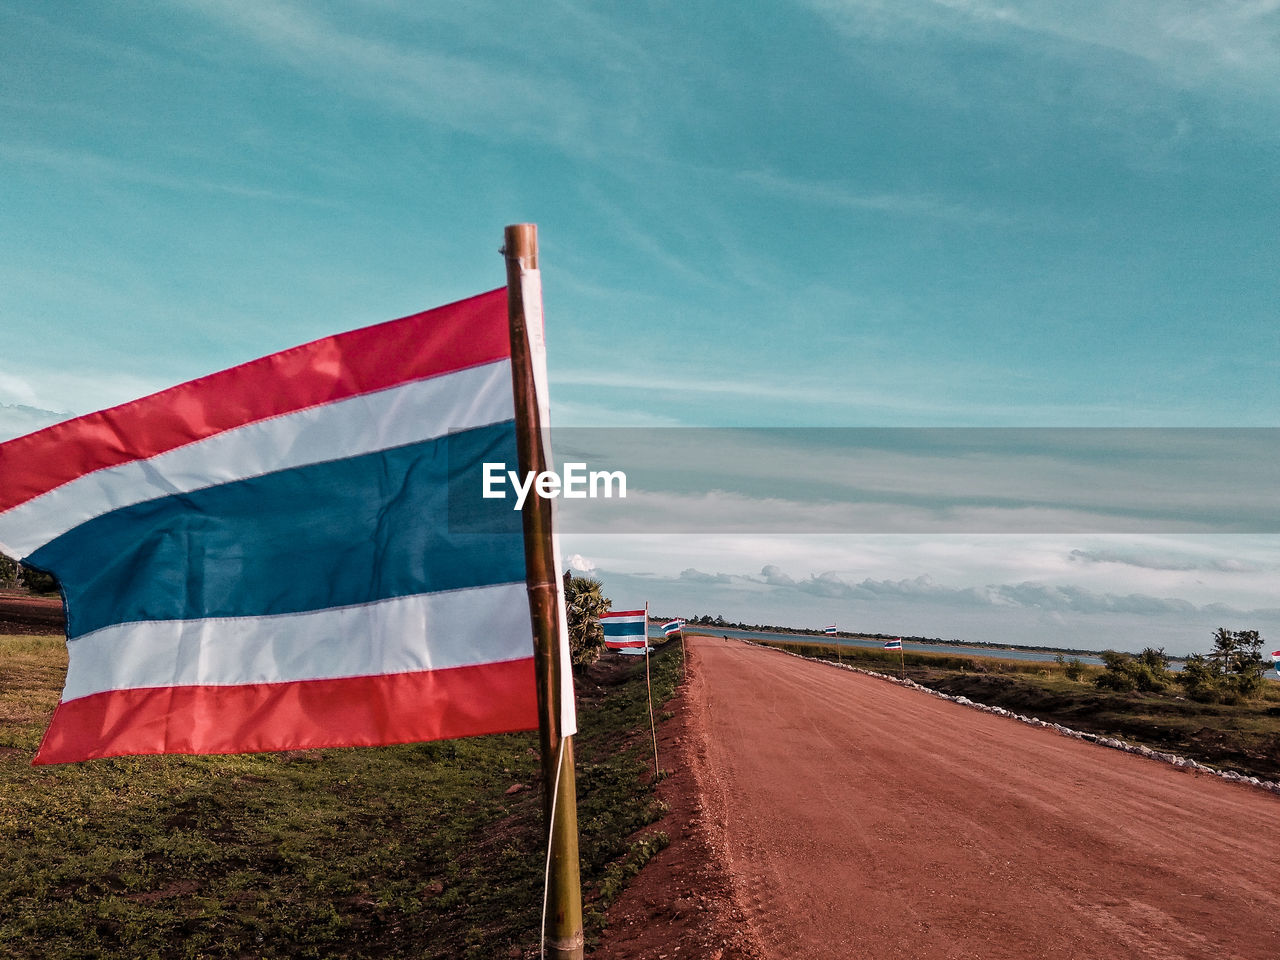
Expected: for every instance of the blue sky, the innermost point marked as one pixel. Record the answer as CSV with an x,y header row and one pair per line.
x,y
808,214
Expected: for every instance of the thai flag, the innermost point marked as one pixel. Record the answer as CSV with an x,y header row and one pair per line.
x,y
830,631
893,644
290,553
625,628
1275,660
672,626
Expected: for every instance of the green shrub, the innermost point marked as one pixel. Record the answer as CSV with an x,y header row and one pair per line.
x,y
1231,674
1200,680
37,581
1124,672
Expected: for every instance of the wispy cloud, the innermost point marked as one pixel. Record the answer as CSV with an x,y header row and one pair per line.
x,y
1237,41
838,196
17,420
492,98
16,389
1147,559
1027,595
592,415
874,397
652,241
63,393
893,481
87,167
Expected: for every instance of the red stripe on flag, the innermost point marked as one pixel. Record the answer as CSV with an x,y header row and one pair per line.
x,y
623,613
456,336
250,718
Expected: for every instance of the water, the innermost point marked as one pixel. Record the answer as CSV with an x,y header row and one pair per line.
x,y
1000,653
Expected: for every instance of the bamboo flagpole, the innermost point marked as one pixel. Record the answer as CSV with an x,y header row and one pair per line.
x,y
564,940
896,644
652,727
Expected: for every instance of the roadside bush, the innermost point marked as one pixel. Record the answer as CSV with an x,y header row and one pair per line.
x,y
1200,680
1125,673
37,581
1231,673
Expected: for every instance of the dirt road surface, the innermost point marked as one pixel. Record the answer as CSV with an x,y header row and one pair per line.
x,y
24,614
856,818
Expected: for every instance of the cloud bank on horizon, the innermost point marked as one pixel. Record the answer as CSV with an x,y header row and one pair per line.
x,y
1169,592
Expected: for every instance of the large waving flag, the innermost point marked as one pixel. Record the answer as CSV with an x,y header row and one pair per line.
x,y
290,553
625,628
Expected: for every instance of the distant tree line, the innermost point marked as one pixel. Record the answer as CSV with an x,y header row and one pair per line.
x,y
706,620
16,576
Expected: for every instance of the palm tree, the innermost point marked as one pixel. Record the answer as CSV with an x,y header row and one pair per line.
x,y
584,602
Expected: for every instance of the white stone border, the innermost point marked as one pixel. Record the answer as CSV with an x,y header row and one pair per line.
x,y
1172,759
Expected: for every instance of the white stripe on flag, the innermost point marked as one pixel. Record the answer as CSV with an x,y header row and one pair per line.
x,y
433,631
409,413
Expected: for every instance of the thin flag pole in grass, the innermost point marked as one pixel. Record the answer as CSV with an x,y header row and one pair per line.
x,y
831,632
896,644
676,626
649,683
627,630
563,892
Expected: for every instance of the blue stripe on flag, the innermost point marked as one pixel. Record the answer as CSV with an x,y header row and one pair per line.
x,y
623,628
330,534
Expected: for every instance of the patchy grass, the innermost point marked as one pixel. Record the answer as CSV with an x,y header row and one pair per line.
x,y
1243,737
414,850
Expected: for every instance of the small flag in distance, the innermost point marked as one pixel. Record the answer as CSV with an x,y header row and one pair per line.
x,y
895,644
624,628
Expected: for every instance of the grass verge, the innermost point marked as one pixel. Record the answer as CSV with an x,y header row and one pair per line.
x,y
416,850
1243,737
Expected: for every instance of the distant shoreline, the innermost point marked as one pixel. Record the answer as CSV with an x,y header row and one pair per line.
x,y
711,630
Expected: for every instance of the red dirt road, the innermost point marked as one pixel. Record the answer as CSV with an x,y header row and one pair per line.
x,y
860,819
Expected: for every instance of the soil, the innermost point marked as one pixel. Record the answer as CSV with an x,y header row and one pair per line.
x,y
681,905
855,818
21,613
